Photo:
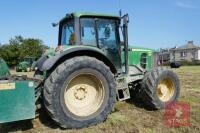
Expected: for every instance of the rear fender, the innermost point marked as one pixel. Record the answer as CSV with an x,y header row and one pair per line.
x,y
46,63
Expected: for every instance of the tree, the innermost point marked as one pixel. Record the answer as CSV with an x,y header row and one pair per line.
x,y
10,52
31,47
18,40
20,47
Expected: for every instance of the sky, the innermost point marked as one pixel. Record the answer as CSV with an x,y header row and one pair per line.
x,y
153,23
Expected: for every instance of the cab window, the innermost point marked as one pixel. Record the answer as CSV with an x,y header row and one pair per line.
x,y
88,36
68,36
107,33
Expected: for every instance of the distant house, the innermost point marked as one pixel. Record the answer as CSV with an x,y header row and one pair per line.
x,y
164,55
189,52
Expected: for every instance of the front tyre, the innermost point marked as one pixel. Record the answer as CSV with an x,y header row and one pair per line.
x,y
80,92
159,87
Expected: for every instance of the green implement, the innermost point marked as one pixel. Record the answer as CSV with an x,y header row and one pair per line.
x,y
17,100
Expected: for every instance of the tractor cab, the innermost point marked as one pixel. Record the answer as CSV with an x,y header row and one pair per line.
x,y
89,29
98,31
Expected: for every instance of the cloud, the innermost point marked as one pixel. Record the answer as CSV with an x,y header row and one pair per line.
x,y
185,5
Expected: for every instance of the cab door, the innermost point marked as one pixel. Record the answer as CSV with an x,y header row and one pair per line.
x,y
107,40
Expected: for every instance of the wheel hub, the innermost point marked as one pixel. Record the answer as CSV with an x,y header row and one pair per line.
x,y
165,90
84,94
80,92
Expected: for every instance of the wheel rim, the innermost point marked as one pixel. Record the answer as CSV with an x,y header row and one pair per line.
x,y
165,89
84,94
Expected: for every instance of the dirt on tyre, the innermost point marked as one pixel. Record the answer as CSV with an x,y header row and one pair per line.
x,y
160,86
80,92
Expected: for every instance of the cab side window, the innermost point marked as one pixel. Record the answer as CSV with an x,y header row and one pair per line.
x,y
68,37
88,36
107,33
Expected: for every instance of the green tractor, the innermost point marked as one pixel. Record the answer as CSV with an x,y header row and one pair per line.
x,y
89,71
26,65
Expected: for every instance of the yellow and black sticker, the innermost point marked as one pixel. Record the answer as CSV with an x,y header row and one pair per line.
x,y
7,86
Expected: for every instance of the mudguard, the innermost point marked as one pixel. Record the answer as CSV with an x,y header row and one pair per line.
x,y
46,62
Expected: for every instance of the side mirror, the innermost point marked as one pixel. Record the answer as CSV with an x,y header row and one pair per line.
x,y
55,24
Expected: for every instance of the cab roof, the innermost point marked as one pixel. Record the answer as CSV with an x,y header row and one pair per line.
x,y
89,14
80,14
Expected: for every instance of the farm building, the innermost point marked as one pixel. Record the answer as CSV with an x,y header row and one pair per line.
x,y
189,52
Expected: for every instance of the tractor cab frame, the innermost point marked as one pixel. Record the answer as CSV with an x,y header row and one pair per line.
x,y
96,32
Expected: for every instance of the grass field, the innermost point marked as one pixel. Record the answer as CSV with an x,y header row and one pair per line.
x,y
129,116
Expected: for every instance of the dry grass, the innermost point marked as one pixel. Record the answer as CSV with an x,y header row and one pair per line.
x,y
129,116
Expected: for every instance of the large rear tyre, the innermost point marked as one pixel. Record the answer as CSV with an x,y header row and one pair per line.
x,y
159,87
80,92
